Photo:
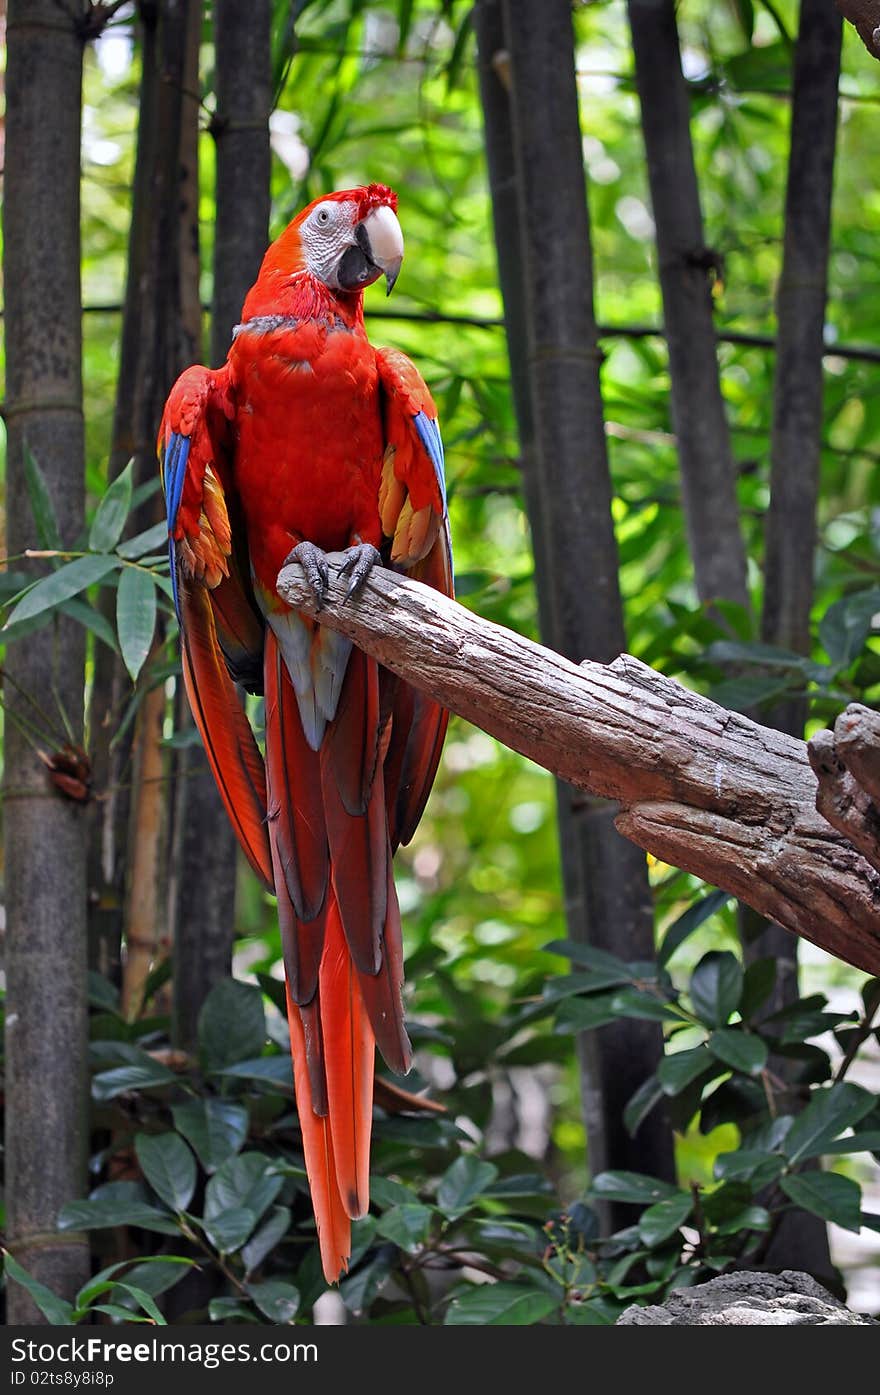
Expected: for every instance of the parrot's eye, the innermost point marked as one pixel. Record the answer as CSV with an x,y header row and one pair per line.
x,y
323,216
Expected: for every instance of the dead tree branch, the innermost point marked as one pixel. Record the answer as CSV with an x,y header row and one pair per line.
x,y
706,789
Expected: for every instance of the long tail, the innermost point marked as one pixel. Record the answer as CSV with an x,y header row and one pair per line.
x,y
340,926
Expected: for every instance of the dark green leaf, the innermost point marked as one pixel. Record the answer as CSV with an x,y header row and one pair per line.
x,y
228,1310
758,983
689,921
116,1203
639,1106
268,1070
632,1186
232,1025
825,1117
91,619
828,1195
111,1083
407,1225
276,1300
42,508
264,1240
715,987
247,1180
749,1165
67,581
663,1219
845,626
633,1002
135,618
111,513
228,1230
591,958
55,1310
738,1049
168,1166
680,1068
583,1014
102,993
499,1305
151,540
463,1182
386,1192
214,1128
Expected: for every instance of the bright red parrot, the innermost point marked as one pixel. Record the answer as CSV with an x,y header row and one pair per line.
x,y
308,440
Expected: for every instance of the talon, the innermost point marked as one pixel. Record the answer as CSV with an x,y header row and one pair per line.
x,y
360,561
314,564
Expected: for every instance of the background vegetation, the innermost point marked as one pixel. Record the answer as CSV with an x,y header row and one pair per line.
x,y
195,1196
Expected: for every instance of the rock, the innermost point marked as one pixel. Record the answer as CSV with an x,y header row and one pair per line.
x,y
788,1299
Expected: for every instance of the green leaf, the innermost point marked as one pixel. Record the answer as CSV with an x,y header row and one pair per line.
x,y
632,1186
215,1129
151,540
827,1194
739,1049
589,957
55,1310
92,619
663,1219
135,618
144,1301
677,1070
228,1230
500,1305
116,1203
825,1117
67,581
264,1240
715,987
407,1225
111,513
759,980
384,1191
633,1002
102,993
749,1165
111,1083
232,1025
227,1310
639,1106
462,1183
42,508
247,1180
845,626
583,1014
689,921
168,1166
268,1070
868,1142
276,1300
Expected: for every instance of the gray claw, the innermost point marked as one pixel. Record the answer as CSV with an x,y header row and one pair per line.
x,y
314,564
360,561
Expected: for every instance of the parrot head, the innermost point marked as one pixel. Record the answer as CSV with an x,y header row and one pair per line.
x,y
346,240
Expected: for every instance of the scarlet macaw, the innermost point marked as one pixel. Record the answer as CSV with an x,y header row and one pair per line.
x,y
308,440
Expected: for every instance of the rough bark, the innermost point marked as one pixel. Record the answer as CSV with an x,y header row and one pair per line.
x,y
45,847
686,267
554,349
707,789
865,16
788,1299
154,346
796,437
206,859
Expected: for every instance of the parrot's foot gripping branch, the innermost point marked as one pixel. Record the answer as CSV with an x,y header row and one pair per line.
x,y
314,563
357,561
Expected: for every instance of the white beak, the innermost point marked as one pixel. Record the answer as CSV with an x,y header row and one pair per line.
x,y
385,239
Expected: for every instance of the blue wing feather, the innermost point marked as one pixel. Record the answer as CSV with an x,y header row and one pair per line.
x,y
429,435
